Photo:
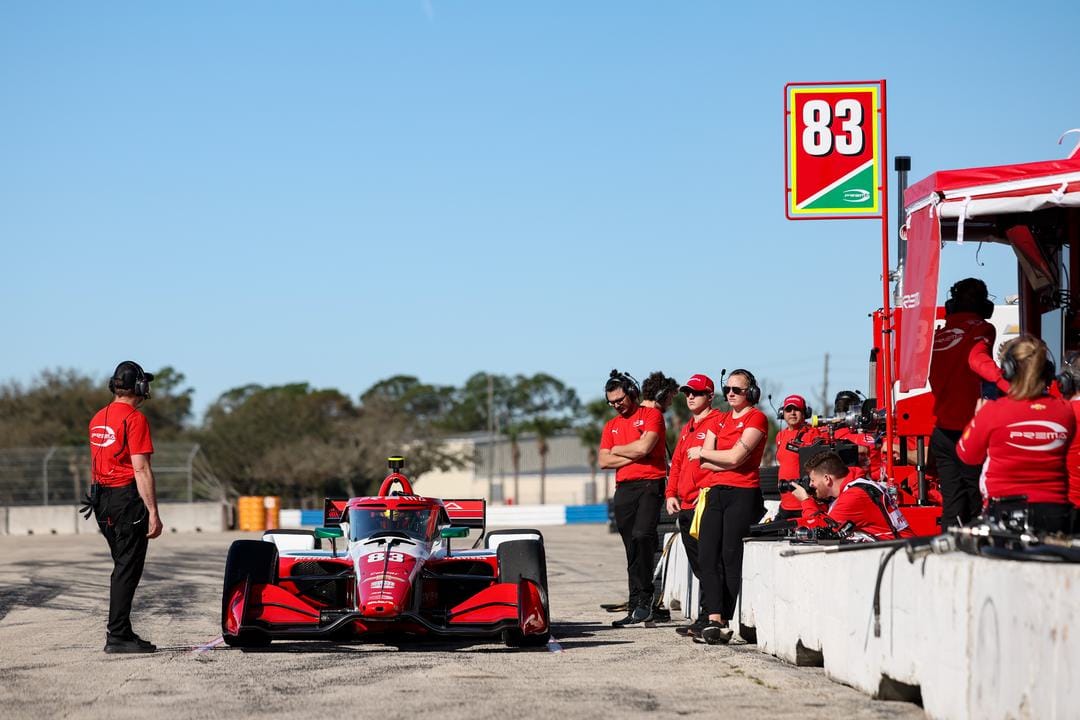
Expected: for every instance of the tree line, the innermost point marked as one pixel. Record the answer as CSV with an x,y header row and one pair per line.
x,y
304,443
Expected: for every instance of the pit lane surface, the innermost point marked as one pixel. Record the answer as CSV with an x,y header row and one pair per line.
x,y
54,600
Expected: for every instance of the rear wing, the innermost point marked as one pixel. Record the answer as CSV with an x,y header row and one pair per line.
x,y
468,513
334,511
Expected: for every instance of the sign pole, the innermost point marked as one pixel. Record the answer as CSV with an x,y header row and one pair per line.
x,y
886,309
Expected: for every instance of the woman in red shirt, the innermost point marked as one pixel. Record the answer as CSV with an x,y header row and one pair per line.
x,y
797,434
732,452
1026,435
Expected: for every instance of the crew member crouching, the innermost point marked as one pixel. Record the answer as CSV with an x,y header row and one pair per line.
x,y
855,499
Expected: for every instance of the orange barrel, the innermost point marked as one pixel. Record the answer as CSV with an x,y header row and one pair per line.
x,y
250,514
272,503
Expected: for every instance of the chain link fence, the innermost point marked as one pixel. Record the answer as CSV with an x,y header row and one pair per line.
x,y
60,475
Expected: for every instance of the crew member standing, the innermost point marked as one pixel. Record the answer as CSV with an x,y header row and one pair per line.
x,y
960,351
788,440
1069,384
1026,437
686,474
123,497
633,445
733,503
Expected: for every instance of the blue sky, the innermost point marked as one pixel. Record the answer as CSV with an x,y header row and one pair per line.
x,y
336,192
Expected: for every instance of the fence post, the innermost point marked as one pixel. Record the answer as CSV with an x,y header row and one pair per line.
x,y
45,475
190,465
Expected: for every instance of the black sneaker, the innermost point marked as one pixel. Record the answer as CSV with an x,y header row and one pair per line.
x,y
134,644
693,628
640,615
661,614
716,634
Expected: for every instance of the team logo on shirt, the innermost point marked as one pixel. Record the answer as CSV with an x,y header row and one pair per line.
x,y
700,436
102,436
639,423
1052,435
947,338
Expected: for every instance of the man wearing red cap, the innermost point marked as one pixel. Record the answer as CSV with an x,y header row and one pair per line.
x,y
788,440
682,485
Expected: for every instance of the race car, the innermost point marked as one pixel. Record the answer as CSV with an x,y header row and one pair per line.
x,y
389,573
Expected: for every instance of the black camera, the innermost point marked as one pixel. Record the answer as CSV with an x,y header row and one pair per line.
x,y
786,486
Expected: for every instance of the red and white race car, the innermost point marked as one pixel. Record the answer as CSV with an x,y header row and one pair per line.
x,y
389,571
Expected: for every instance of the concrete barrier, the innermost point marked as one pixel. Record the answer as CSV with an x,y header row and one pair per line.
x,y
525,515
42,520
973,637
3,521
194,517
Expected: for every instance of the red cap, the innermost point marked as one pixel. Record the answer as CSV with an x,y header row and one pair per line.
x,y
797,400
698,383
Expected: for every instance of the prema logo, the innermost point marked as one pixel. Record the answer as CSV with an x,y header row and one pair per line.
x,y
856,195
102,436
910,301
946,339
700,436
1050,434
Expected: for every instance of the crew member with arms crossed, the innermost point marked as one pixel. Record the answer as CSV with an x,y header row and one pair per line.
x,y
633,445
685,475
123,498
855,499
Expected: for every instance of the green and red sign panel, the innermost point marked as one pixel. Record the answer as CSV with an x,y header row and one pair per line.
x,y
833,150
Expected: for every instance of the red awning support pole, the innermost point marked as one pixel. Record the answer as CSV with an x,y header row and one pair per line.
x,y
886,309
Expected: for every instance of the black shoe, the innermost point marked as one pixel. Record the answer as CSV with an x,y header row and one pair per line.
x,y
133,644
716,634
693,628
661,614
640,615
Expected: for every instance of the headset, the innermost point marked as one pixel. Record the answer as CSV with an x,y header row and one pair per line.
x,y
969,294
1010,366
1068,379
753,392
626,381
129,375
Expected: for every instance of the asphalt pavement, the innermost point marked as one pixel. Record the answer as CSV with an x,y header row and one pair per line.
x,y
54,600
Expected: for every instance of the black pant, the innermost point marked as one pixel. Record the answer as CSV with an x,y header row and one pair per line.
x,y
729,513
637,510
961,498
123,519
690,544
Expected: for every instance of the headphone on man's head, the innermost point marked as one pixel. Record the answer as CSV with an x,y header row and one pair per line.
x,y
625,381
753,392
966,293
129,375
1010,366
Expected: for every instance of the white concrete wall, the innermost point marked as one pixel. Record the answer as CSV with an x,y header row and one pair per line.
x,y
66,520
525,515
983,638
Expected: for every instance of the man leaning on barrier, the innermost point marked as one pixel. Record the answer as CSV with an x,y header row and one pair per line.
x,y
862,504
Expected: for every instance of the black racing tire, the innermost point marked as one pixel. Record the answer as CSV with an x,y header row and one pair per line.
x,y
257,562
520,559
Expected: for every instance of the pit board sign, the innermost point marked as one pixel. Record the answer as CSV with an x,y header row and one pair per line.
x,y
833,150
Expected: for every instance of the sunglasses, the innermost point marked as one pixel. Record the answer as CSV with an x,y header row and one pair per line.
x,y
617,401
793,408
696,393
733,390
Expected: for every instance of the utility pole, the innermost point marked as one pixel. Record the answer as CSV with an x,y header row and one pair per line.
x,y
825,388
491,437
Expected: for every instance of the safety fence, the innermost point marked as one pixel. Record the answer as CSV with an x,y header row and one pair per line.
x,y
497,515
60,475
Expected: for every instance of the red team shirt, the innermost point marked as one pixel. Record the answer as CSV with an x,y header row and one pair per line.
x,y
1073,460
623,431
1027,442
866,440
685,476
728,430
789,460
117,432
955,384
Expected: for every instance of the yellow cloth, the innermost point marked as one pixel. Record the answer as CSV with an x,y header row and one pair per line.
x,y
699,510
